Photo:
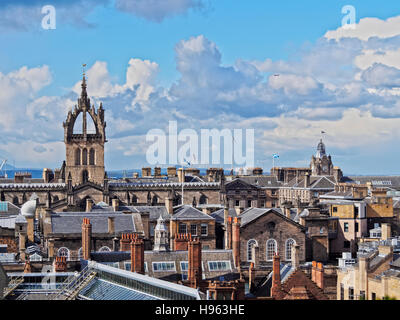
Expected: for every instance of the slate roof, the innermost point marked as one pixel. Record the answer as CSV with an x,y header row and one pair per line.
x,y
71,222
316,183
187,212
219,215
251,214
377,181
262,181
154,211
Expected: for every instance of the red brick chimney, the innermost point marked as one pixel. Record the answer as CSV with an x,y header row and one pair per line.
x,y
124,243
181,241
319,276
276,276
194,258
252,274
236,241
137,255
86,238
60,264
314,271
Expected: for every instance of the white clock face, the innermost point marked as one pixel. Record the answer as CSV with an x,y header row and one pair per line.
x,y
325,168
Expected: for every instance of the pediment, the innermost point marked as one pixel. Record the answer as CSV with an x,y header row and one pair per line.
x,y
238,184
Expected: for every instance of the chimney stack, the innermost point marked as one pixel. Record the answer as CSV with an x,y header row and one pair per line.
x,y
89,205
169,201
171,172
181,175
124,243
319,275
236,241
314,271
252,274
228,234
181,241
111,225
307,180
295,256
239,210
146,172
60,264
386,231
194,258
86,238
276,276
115,204
137,255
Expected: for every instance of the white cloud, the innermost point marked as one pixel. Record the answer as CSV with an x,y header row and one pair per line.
x,y
293,84
368,28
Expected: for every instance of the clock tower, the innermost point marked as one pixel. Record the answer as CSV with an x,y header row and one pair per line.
x,y
321,163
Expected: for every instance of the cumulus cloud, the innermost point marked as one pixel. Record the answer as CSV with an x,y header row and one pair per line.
x,y
347,86
368,28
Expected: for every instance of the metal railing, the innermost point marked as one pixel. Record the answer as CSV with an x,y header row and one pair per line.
x,y
75,285
12,285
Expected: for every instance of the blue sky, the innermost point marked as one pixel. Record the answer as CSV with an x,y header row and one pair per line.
x,y
143,67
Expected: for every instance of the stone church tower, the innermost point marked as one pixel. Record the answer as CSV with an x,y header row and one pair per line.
x,y
85,151
321,164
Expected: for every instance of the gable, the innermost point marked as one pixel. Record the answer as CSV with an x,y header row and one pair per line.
x,y
277,217
238,184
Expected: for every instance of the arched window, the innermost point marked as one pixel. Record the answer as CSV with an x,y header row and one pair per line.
x,y
85,176
63,252
15,200
203,199
84,157
55,199
80,255
104,249
134,199
271,249
250,245
78,157
91,157
155,200
289,245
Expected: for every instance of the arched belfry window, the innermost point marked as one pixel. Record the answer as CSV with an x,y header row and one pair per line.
x,y
91,157
85,176
84,157
78,157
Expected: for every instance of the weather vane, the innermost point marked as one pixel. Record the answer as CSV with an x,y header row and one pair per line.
x,y
83,67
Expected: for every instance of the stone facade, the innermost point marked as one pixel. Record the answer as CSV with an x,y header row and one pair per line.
x,y
272,226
